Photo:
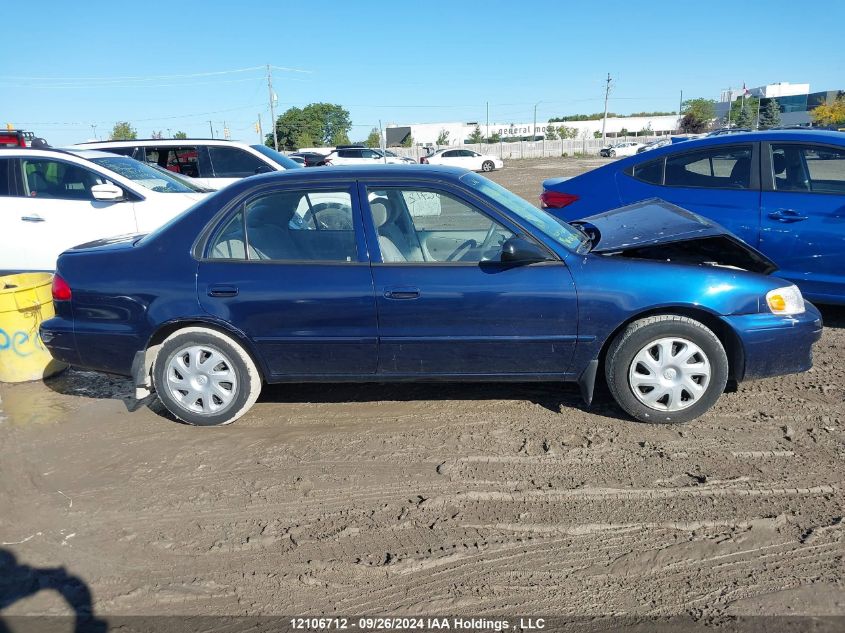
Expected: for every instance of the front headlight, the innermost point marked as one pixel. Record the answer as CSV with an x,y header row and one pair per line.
x,y
786,300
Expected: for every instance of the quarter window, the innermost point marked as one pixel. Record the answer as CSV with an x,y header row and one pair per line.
x,y
419,225
231,162
650,172
290,226
723,167
809,168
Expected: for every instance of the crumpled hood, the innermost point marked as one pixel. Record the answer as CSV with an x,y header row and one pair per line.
x,y
645,227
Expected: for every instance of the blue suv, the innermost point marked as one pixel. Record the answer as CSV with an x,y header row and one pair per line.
x,y
781,191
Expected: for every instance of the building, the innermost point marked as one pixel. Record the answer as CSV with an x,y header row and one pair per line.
x,y
795,101
427,133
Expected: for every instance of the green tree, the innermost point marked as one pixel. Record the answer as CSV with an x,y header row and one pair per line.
x,y
315,125
770,115
696,115
623,132
180,135
408,141
596,134
747,118
495,137
551,135
123,131
566,132
157,135
374,139
830,113
443,137
476,136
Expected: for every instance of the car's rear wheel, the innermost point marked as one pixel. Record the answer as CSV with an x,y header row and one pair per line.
x,y
204,377
487,165
666,369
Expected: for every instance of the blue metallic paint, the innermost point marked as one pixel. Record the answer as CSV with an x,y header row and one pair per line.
x,y
333,322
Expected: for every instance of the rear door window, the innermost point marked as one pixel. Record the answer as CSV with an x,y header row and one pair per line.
x,y
716,168
180,160
6,187
233,162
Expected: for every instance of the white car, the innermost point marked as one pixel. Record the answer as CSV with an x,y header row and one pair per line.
x,y
463,158
51,200
212,163
621,149
357,155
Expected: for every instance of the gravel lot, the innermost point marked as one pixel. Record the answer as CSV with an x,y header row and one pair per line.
x,y
434,499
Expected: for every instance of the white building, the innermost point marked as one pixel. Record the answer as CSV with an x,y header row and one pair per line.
x,y
769,91
427,133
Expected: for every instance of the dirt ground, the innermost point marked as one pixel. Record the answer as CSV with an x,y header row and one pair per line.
x,y
431,499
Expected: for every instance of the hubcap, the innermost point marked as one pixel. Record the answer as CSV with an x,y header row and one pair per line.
x,y
202,380
669,374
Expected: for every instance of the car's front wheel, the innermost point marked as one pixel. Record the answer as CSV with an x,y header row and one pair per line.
x,y
204,377
666,369
612,153
487,165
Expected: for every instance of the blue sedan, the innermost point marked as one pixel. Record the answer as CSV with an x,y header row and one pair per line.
x,y
398,273
782,191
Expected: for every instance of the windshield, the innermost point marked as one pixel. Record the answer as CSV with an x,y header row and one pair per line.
x,y
277,157
185,180
157,180
561,232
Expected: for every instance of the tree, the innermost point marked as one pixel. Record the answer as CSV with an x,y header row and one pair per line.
x,y
495,137
744,112
408,141
315,125
123,131
443,137
596,134
551,135
180,135
157,135
770,115
565,132
745,117
374,139
623,132
476,136
830,113
696,115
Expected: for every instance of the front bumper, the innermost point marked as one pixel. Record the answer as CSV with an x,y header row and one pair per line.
x,y
774,345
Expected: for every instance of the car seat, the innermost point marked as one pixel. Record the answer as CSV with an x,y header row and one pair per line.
x,y
389,250
400,233
268,232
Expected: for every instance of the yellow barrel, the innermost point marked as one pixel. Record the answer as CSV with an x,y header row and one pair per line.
x,y
25,301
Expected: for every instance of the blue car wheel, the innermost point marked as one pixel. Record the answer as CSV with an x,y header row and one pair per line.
x,y
204,377
666,369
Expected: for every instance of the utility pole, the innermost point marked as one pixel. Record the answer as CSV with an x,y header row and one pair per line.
x,y
534,127
488,121
604,120
260,130
383,142
680,110
272,107
211,129
94,130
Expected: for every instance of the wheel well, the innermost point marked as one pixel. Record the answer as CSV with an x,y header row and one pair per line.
x,y
726,336
166,330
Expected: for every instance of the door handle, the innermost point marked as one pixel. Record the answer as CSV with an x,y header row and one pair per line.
x,y
402,293
222,291
787,215
32,218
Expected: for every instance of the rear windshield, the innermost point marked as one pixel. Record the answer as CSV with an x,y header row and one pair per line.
x,y
277,157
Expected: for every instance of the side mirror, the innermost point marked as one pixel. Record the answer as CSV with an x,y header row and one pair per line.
x,y
107,193
518,250
264,169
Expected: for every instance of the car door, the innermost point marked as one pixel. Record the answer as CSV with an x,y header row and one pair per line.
x,y
720,183
288,267
450,157
447,305
803,216
52,209
230,164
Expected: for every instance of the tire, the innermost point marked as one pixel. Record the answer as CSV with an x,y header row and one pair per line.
x,y
236,392
612,153
649,351
487,165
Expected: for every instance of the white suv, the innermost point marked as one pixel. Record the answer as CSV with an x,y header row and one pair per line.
x,y
357,155
51,200
213,163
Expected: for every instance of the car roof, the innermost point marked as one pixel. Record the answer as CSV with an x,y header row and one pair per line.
x,y
174,142
345,172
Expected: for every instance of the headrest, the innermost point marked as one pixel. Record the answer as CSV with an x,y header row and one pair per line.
x,y
779,163
379,210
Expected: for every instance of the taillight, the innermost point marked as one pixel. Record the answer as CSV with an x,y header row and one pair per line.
x,y
423,161
556,200
61,291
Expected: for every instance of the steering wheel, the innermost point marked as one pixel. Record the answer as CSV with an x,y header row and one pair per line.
x,y
332,216
462,250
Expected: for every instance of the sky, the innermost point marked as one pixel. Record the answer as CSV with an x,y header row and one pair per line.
x,y
69,71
